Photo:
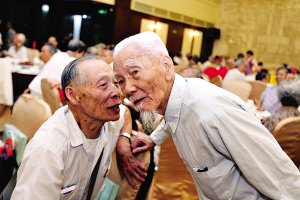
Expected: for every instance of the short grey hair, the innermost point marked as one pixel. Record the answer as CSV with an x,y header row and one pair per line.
x,y
21,37
92,51
147,42
52,48
76,45
289,92
239,62
72,71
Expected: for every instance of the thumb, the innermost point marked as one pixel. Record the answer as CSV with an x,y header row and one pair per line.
x,y
140,149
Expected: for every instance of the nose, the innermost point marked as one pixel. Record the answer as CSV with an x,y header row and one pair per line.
x,y
115,91
129,88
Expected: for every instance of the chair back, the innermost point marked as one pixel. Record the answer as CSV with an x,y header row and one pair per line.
x,y
29,113
171,182
240,88
50,96
5,116
257,89
287,134
217,81
32,53
126,192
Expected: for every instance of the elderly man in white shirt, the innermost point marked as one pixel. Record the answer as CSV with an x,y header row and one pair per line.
x,y
228,152
55,64
60,158
18,51
237,73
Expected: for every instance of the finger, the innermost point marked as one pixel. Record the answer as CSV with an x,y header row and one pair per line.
x,y
142,167
138,177
140,149
141,173
139,125
130,181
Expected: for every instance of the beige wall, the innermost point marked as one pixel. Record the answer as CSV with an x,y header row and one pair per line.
x,y
148,25
202,13
110,2
270,28
187,42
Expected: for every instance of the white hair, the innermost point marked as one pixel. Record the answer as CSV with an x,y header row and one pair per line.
x,y
146,42
21,38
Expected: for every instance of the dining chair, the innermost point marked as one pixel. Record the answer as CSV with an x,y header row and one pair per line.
x,y
287,134
126,192
50,95
29,113
32,53
257,89
6,92
240,88
172,180
217,81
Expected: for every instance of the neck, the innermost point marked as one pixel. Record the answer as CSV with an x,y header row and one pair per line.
x,y
90,127
162,108
17,48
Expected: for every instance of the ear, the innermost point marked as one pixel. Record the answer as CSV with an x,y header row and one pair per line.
x,y
72,95
168,63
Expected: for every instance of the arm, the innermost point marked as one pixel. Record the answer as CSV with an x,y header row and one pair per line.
x,y
259,103
144,142
128,165
39,175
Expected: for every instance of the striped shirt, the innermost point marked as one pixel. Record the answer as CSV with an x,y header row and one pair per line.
x,y
228,152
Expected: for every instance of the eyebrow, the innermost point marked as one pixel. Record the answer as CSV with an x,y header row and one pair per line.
x,y
101,78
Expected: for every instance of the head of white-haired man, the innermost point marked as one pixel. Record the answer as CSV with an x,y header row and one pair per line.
x,y
144,71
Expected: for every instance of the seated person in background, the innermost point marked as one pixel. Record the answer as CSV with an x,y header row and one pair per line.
x,y
53,40
210,62
262,76
108,57
55,63
289,96
269,99
59,160
230,64
18,51
76,48
237,73
190,73
92,51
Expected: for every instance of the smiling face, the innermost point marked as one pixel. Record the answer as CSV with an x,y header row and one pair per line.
x,y
97,92
144,80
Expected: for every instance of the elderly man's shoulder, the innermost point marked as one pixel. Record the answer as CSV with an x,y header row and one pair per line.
x,y
55,132
207,97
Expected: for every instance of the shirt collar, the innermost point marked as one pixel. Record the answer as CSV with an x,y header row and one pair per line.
x,y
173,109
77,137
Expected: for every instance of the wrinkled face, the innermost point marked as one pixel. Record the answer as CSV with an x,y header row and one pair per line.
x,y
98,91
45,54
143,80
280,75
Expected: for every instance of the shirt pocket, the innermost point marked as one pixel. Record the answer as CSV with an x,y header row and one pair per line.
x,y
70,192
212,183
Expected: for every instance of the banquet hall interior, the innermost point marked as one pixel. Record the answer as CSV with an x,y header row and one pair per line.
x,y
249,48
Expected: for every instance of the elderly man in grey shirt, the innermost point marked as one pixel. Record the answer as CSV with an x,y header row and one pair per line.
x,y
228,152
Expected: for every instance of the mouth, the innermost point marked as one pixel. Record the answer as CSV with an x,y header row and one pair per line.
x,y
115,108
139,100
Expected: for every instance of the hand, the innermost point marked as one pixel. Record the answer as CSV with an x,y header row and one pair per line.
x,y
128,165
141,142
26,91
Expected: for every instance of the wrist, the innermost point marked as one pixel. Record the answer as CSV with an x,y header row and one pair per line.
x,y
124,134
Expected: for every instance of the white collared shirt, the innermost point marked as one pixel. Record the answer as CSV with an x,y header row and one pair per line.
x,y
21,54
52,69
227,150
57,159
